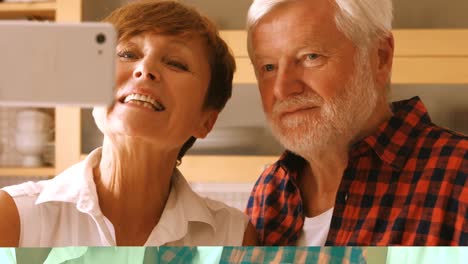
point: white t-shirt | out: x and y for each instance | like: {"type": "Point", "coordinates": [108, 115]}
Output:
{"type": "Point", "coordinates": [315, 230]}
{"type": "Point", "coordinates": [64, 211]}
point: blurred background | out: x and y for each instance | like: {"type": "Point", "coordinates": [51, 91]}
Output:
{"type": "Point", "coordinates": [225, 164]}
{"type": "Point", "coordinates": [241, 128]}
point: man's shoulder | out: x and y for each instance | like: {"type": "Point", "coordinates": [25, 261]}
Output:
{"type": "Point", "coordinates": [432, 130]}
{"type": "Point", "coordinates": [440, 156]}
{"type": "Point", "coordinates": [412, 121]}
{"type": "Point", "coordinates": [444, 141]}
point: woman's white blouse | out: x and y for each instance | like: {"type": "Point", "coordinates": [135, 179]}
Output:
{"type": "Point", "coordinates": [64, 211]}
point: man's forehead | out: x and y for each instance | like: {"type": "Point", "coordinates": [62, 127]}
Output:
{"type": "Point", "coordinates": [321, 37]}
{"type": "Point", "coordinates": [296, 16]}
{"type": "Point", "coordinates": [298, 22]}
{"type": "Point", "coordinates": [303, 9]}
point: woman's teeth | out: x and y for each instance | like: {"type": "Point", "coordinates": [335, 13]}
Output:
{"type": "Point", "coordinates": [144, 101]}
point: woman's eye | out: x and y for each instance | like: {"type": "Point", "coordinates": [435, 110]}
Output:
{"type": "Point", "coordinates": [268, 67]}
{"type": "Point", "coordinates": [178, 65]}
{"type": "Point", "coordinates": [125, 54]}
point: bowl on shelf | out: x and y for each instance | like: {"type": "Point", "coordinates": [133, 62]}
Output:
{"type": "Point", "coordinates": [33, 121]}
{"type": "Point", "coordinates": [31, 146]}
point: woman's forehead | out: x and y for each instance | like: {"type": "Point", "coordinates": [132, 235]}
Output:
{"type": "Point", "coordinates": [186, 36]}
{"type": "Point", "coordinates": [189, 40]}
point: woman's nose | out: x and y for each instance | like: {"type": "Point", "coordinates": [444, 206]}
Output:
{"type": "Point", "coordinates": [146, 70]}
{"type": "Point", "coordinates": [142, 74]}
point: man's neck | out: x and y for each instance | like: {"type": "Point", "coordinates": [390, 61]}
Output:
{"type": "Point", "coordinates": [320, 179]}
{"type": "Point", "coordinates": [322, 175]}
{"type": "Point", "coordinates": [380, 115]}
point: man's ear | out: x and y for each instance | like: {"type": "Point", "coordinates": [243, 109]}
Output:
{"type": "Point", "coordinates": [385, 51]}
{"type": "Point", "coordinates": [208, 121]}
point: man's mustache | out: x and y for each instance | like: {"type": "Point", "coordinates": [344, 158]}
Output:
{"type": "Point", "coordinates": [298, 101]}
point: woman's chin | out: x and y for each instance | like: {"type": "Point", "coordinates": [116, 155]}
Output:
{"type": "Point", "coordinates": [126, 120]}
{"type": "Point", "coordinates": [132, 128]}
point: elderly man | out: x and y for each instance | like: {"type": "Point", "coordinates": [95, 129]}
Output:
{"type": "Point", "coordinates": [357, 170]}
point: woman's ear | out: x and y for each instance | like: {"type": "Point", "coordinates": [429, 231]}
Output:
{"type": "Point", "coordinates": [208, 120]}
{"type": "Point", "coordinates": [385, 51]}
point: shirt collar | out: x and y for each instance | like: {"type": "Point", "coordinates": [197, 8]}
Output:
{"type": "Point", "coordinates": [395, 139]}
{"type": "Point", "coordinates": [182, 206]}
{"type": "Point", "coordinates": [74, 185]}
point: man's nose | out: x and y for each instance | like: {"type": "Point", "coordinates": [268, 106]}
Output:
{"type": "Point", "coordinates": [147, 70]}
{"type": "Point", "coordinates": [288, 82]}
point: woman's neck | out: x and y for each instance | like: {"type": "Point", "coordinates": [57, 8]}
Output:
{"type": "Point", "coordinates": [133, 182]}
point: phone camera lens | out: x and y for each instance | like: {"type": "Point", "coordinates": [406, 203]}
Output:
{"type": "Point", "coordinates": [100, 38]}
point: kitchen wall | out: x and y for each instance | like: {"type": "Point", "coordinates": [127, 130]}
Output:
{"type": "Point", "coordinates": [241, 127]}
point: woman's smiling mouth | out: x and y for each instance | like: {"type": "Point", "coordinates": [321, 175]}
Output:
{"type": "Point", "coordinates": [145, 101]}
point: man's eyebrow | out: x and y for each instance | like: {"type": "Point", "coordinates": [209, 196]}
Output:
{"type": "Point", "coordinates": [261, 56]}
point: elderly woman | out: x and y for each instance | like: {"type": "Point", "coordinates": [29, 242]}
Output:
{"type": "Point", "coordinates": [173, 76]}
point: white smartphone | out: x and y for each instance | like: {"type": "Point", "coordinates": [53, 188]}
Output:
{"type": "Point", "coordinates": [44, 64]}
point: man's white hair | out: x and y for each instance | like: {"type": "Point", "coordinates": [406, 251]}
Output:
{"type": "Point", "coordinates": [360, 20]}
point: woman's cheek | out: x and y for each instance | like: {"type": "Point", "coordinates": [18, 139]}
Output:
{"type": "Point", "coordinates": [100, 118]}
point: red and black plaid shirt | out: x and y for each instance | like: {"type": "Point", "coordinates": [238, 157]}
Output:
{"type": "Point", "coordinates": [405, 185]}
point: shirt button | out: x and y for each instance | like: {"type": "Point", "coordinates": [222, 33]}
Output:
{"type": "Point", "coordinates": [346, 197]}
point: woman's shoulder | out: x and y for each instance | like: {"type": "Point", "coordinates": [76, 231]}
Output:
{"type": "Point", "coordinates": [9, 222]}
{"type": "Point", "coordinates": [34, 189]}
{"type": "Point", "coordinates": [19, 204]}
{"type": "Point", "coordinates": [25, 189]}
{"type": "Point", "coordinates": [25, 196]}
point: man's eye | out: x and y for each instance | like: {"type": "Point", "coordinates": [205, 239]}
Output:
{"type": "Point", "coordinates": [268, 67]}
{"type": "Point", "coordinates": [178, 65]}
{"type": "Point", "coordinates": [125, 54]}
{"type": "Point", "coordinates": [313, 60]}
{"type": "Point", "coordinates": [312, 56]}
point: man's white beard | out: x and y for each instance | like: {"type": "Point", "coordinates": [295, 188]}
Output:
{"type": "Point", "coordinates": [339, 120]}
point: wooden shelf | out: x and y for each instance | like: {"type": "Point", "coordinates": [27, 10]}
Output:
{"type": "Point", "coordinates": [33, 9]}
{"type": "Point", "coordinates": [33, 172]}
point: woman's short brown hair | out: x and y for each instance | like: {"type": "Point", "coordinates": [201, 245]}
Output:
{"type": "Point", "coordinates": [174, 18]}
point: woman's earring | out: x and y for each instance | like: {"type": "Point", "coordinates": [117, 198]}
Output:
{"type": "Point", "coordinates": [178, 162]}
